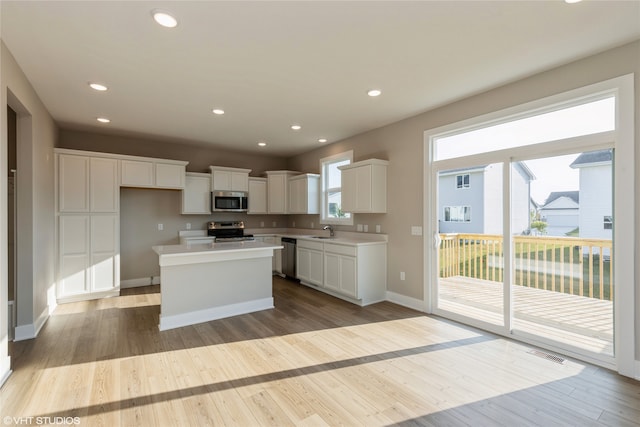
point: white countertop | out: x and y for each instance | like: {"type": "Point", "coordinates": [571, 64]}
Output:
{"type": "Point", "coordinates": [341, 237]}
{"type": "Point", "coordinates": [223, 247]}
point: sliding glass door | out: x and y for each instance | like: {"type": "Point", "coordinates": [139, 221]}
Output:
{"type": "Point", "coordinates": [524, 224]}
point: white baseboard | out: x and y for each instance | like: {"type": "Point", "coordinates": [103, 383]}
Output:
{"type": "Point", "coordinates": [5, 370]}
{"type": "Point", "coordinates": [638, 370]}
{"type": "Point", "coordinates": [30, 331]}
{"type": "Point", "coordinates": [201, 316]}
{"type": "Point", "coordinates": [143, 281]}
{"type": "Point", "coordinates": [405, 301]}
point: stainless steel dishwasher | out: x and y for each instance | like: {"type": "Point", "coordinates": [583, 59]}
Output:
{"type": "Point", "coordinates": [289, 257]}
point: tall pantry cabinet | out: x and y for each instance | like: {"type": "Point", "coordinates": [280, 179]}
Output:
{"type": "Point", "coordinates": [87, 216]}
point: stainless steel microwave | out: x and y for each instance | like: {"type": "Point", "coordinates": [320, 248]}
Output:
{"type": "Point", "coordinates": [229, 201]}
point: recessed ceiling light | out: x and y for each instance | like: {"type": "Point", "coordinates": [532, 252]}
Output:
{"type": "Point", "coordinates": [262, 144]}
{"type": "Point", "coordinates": [164, 18]}
{"type": "Point", "coordinates": [323, 140]}
{"type": "Point", "coordinates": [296, 127]}
{"type": "Point", "coordinates": [98, 87]}
{"type": "Point", "coordinates": [103, 120]}
{"type": "Point", "coordinates": [218, 111]}
{"type": "Point", "coordinates": [374, 92]}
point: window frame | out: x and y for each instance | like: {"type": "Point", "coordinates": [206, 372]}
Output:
{"type": "Point", "coordinates": [462, 184]}
{"type": "Point", "coordinates": [325, 162]}
{"type": "Point", "coordinates": [464, 210]}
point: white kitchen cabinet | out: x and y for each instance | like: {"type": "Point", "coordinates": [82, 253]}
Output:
{"type": "Point", "coordinates": [229, 179]}
{"type": "Point", "coordinates": [136, 173]}
{"type": "Point", "coordinates": [73, 183]}
{"type": "Point", "coordinates": [104, 189]}
{"type": "Point", "coordinates": [257, 196]}
{"type": "Point", "coordinates": [152, 173]}
{"type": "Point", "coordinates": [364, 186]}
{"type": "Point", "coordinates": [276, 260]}
{"type": "Point", "coordinates": [340, 269]}
{"type": "Point", "coordinates": [309, 262]}
{"type": "Point", "coordinates": [88, 256]}
{"type": "Point", "coordinates": [196, 196]}
{"type": "Point", "coordinates": [278, 191]}
{"type": "Point", "coordinates": [355, 273]}
{"type": "Point", "coordinates": [170, 175]}
{"type": "Point", "coordinates": [304, 194]}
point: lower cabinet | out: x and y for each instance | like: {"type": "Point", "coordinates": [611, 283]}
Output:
{"type": "Point", "coordinates": [309, 262]}
{"type": "Point", "coordinates": [276, 260]}
{"type": "Point", "coordinates": [355, 273]}
{"type": "Point", "coordinates": [88, 256]}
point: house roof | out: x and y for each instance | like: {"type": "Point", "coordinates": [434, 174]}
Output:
{"type": "Point", "coordinates": [554, 195]}
{"type": "Point", "coordinates": [592, 157]}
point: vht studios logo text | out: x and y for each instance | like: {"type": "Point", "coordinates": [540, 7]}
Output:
{"type": "Point", "coordinates": [39, 421]}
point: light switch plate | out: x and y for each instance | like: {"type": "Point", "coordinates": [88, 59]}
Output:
{"type": "Point", "coordinates": [416, 230]}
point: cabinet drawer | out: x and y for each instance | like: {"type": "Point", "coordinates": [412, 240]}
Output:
{"type": "Point", "coordinates": [340, 249]}
{"type": "Point", "coordinates": [310, 245]}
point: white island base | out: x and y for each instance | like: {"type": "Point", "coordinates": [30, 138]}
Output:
{"type": "Point", "coordinates": [204, 282]}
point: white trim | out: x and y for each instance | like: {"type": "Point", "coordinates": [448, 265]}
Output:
{"type": "Point", "coordinates": [30, 331]}
{"type": "Point", "coordinates": [201, 316]}
{"type": "Point", "coordinates": [405, 301]}
{"type": "Point", "coordinates": [346, 155]}
{"type": "Point", "coordinates": [139, 282]}
{"type": "Point", "coordinates": [624, 238]}
{"type": "Point", "coordinates": [636, 376]}
{"type": "Point", "coordinates": [90, 296]}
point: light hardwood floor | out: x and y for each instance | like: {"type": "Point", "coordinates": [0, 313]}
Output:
{"type": "Point", "coordinates": [312, 361]}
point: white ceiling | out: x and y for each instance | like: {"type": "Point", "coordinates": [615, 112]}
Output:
{"type": "Point", "coordinates": [272, 64]}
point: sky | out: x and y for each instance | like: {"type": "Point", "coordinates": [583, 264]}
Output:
{"type": "Point", "coordinates": [553, 174]}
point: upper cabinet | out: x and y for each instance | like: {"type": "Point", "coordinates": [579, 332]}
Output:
{"type": "Point", "coordinates": [364, 186]}
{"type": "Point", "coordinates": [152, 173]}
{"type": "Point", "coordinates": [304, 194]}
{"type": "Point", "coordinates": [257, 196]}
{"type": "Point", "coordinates": [229, 179]}
{"type": "Point", "coordinates": [196, 196]}
{"type": "Point", "coordinates": [278, 194]}
{"type": "Point", "coordinates": [87, 184]}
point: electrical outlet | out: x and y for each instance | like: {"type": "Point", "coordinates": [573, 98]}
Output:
{"type": "Point", "coordinates": [378, 228]}
{"type": "Point", "coordinates": [312, 224]}
{"type": "Point", "coordinates": [416, 230]}
{"type": "Point", "coordinates": [188, 226]}
{"type": "Point", "coordinates": [160, 227]}
{"type": "Point", "coordinates": [366, 228]}
{"type": "Point", "coordinates": [262, 224]}
{"type": "Point", "coordinates": [273, 224]}
{"type": "Point", "coordinates": [402, 276]}
{"type": "Point", "coordinates": [294, 224]}
{"type": "Point", "coordinates": [359, 227]}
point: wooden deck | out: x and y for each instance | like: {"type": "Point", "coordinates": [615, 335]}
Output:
{"type": "Point", "coordinates": [580, 321]}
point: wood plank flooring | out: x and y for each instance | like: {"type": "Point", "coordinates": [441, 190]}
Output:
{"type": "Point", "coordinates": [312, 361]}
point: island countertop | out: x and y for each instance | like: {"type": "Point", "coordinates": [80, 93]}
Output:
{"type": "Point", "coordinates": [194, 253]}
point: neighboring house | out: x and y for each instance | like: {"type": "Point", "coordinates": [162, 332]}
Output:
{"type": "Point", "coordinates": [596, 187]}
{"type": "Point", "coordinates": [561, 212]}
{"type": "Point", "coordinates": [470, 200]}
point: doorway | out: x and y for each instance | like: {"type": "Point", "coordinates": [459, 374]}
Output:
{"type": "Point", "coordinates": [12, 164]}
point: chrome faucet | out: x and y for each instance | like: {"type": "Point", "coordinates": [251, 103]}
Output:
{"type": "Point", "coordinates": [330, 228]}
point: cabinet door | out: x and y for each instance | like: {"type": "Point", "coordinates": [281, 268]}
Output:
{"type": "Point", "coordinates": [73, 255]}
{"type": "Point", "coordinates": [363, 189]}
{"type": "Point", "coordinates": [277, 196]}
{"type": "Point", "coordinates": [303, 264]}
{"type": "Point", "coordinates": [134, 173]}
{"type": "Point", "coordinates": [104, 269]}
{"type": "Point", "coordinates": [73, 183]}
{"type": "Point", "coordinates": [239, 181]}
{"type": "Point", "coordinates": [169, 175]}
{"type": "Point", "coordinates": [277, 256]}
{"type": "Point", "coordinates": [315, 268]}
{"type": "Point", "coordinates": [257, 196]}
{"type": "Point", "coordinates": [349, 190]}
{"type": "Point", "coordinates": [105, 191]}
{"type": "Point", "coordinates": [332, 272]}
{"type": "Point", "coordinates": [296, 196]}
{"type": "Point", "coordinates": [348, 276]}
{"type": "Point", "coordinates": [221, 180]}
{"type": "Point", "coordinates": [196, 196]}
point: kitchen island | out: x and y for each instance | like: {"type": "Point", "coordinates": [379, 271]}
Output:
{"type": "Point", "coordinates": [208, 281]}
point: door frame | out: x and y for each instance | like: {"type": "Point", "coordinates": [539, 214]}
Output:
{"type": "Point", "coordinates": [623, 196]}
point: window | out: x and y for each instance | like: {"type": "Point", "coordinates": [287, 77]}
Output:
{"type": "Point", "coordinates": [331, 181]}
{"type": "Point", "coordinates": [457, 213]}
{"type": "Point", "coordinates": [462, 181]}
{"type": "Point", "coordinates": [608, 223]}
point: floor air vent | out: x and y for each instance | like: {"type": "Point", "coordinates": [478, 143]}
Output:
{"type": "Point", "coordinates": [551, 357]}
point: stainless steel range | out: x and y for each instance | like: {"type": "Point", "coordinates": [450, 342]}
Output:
{"type": "Point", "coordinates": [228, 231]}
